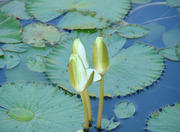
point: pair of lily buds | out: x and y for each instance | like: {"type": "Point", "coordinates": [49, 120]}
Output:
{"type": "Point", "coordinates": [81, 76]}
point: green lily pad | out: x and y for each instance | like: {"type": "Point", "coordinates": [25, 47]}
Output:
{"type": "Point", "coordinates": [109, 125]}
{"type": "Point", "coordinates": [173, 3]}
{"type": "Point", "coordinates": [10, 60]}
{"type": "Point", "coordinates": [141, 1]}
{"type": "Point", "coordinates": [121, 79]}
{"type": "Point", "coordinates": [1, 52]}
{"type": "Point", "coordinates": [15, 8]}
{"type": "Point", "coordinates": [125, 109]}
{"type": "Point", "coordinates": [169, 53]}
{"type": "Point", "coordinates": [92, 11]}
{"type": "Point", "coordinates": [38, 35]}
{"type": "Point", "coordinates": [178, 50]}
{"type": "Point", "coordinates": [171, 37]}
{"type": "Point", "coordinates": [10, 29]}
{"type": "Point", "coordinates": [38, 107]}
{"type": "Point", "coordinates": [132, 31]}
{"type": "Point", "coordinates": [22, 72]}
{"type": "Point", "coordinates": [166, 120]}
{"type": "Point", "coordinates": [155, 31]}
{"type": "Point", "coordinates": [36, 63]}
{"type": "Point", "coordinates": [19, 48]}
{"type": "Point", "coordinates": [88, 22]}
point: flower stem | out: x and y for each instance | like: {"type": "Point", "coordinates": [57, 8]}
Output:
{"type": "Point", "coordinates": [101, 99]}
{"type": "Point", "coordinates": [85, 110]}
{"type": "Point", "coordinates": [88, 105]}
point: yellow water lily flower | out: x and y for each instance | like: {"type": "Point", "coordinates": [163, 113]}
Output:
{"type": "Point", "coordinates": [100, 56]}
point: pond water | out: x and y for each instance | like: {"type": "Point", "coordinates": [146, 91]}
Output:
{"type": "Point", "coordinates": [165, 91]}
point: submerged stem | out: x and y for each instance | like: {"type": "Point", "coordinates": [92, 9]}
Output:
{"type": "Point", "coordinates": [88, 105]}
{"type": "Point", "coordinates": [101, 100]}
{"type": "Point", "coordinates": [85, 110]}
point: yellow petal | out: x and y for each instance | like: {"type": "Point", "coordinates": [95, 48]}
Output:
{"type": "Point", "coordinates": [100, 56]}
{"type": "Point", "coordinates": [79, 49]}
{"type": "Point", "coordinates": [77, 73]}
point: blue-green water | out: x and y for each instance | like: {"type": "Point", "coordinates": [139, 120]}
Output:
{"type": "Point", "coordinates": [165, 91]}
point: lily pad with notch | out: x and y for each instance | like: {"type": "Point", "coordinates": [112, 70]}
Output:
{"type": "Point", "coordinates": [109, 125]}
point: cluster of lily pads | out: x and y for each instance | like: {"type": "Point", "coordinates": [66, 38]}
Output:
{"type": "Point", "coordinates": [39, 52]}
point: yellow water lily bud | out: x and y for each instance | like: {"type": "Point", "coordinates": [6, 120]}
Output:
{"type": "Point", "coordinates": [79, 49]}
{"type": "Point", "coordinates": [100, 56]}
{"type": "Point", "coordinates": [78, 75]}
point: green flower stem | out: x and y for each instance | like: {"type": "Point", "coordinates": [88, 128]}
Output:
{"type": "Point", "coordinates": [83, 97]}
{"type": "Point", "coordinates": [88, 105]}
{"type": "Point", "coordinates": [101, 100]}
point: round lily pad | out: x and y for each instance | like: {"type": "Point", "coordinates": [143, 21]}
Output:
{"type": "Point", "coordinates": [141, 1]}
{"type": "Point", "coordinates": [38, 107]}
{"type": "Point", "coordinates": [171, 37]}
{"type": "Point", "coordinates": [125, 109]}
{"type": "Point", "coordinates": [173, 3]}
{"type": "Point", "coordinates": [15, 8]}
{"type": "Point", "coordinates": [132, 31]}
{"type": "Point", "coordinates": [19, 48]}
{"type": "Point", "coordinates": [36, 63]}
{"type": "Point", "coordinates": [169, 53]}
{"type": "Point", "coordinates": [109, 125]}
{"type": "Point", "coordinates": [38, 35]}
{"type": "Point", "coordinates": [10, 60]}
{"type": "Point", "coordinates": [10, 29]}
{"type": "Point", "coordinates": [166, 120]}
{"type": "Point", "coordinates": [121, 79]}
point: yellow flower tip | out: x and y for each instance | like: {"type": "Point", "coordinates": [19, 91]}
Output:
{"type": "Point", "coordinates": [77, 73]}
{"type": "Point", "coordinates": [100, 56]}
{"type": "Point", "coordinates": [79, 49]}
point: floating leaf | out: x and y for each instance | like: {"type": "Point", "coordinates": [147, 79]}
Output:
{"type": "Point", "coordinates": [22, 72]}
{"type": "Point", "coordinates": [10, 29]}
{"type": "Point", "coordinates": [125, 109]}
{"type": "Point", "coordinates": [166, 120]}
{"type": "Point", "coordinates": [80, 22]}
{"type": "Point", "coordinates": [173, 3]}
{"type": "Point", "coordinates": [121, 78]}
{"type": "Point", "coordinates": [36, 63]}
{"type": "Point", "coordinates": [46, 10]}
{"type": "Point", "coordinates": [19, 48]}
{"type": "Point", "coordinates": [1, 52]}
{"type": "Point", "coordinates": [38, 107]}
{"type": "Point", "coordinates": [109, 125]}
{"type": "Point", "coordinates": [169, 53]}
{"type": "Point", "coordinates": [155, 31]}
{"type": "Point", "coordinates": [38, 35]}
{"type": "Point", "coordinates": [10, 60]}
{"type": "Point", "coordinates": [171, 37]}
{"type": "Point", "coordinates": [15, 8]}
{"type": "Point", "coordinates": [141, 1]}
{"type": "Point", "coordinates": [132, 31]}
{"type": "Point", "coordinates": [178, 50]}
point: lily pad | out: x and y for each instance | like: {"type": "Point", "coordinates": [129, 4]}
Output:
{"type": "Point", "coordinates": [178, 50]}
{"type": "Point", "coordinates": [166, 120]}
{"type": "Point", "coordinates": [155, 31]}
{"type": "Point", "coordinates": [132, 31]}
{"type": "Point", "coordinates": [122, 78]}
{"type": "Point", "coordinates": [38, 107]}
{"type": "Point", "coordinates": [46, 10]}
{"type": "Point", "coordinates": [19, 48]}
{"type": "Point", "coordinates": [15, 8]}
{"type": "Point", "coordinates": [36, 63]}
{"type": "Point", "coordinates": [109, 125]}
{"type": "Point", "coordinates": [171, 37]}
{"type": "Point", "coordinates": [1, 52]}
{"type": "Point", "coordinates": [173, 3]}
{"type": "Point", "coordinates": [125, 109]}
{"type": "Point", "coordinates": [10, 60]}
{"type": "Point", "coordinates": [10, 29]}
{"type": "Point", "coordinates": [38, 35]}
{"type": "Point", "coordinates": [141, 1]}
{"type": "Point", "coordinates": [169, 53]}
